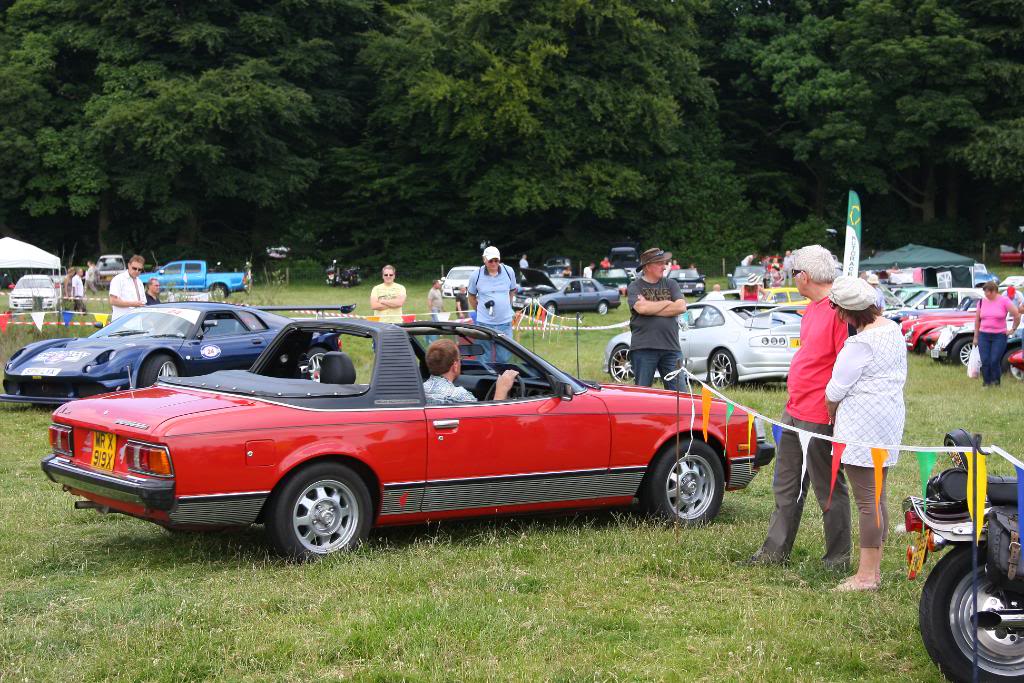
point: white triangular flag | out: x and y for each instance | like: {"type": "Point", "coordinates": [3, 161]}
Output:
{"type": "Point", "coordinates": [805, 440]}
{"type": "Point", "coordinates": [442, 317]}
{"type": "Point", "coordinates": [37, 318]}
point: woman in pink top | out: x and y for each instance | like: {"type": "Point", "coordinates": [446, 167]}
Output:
{"type": "Point", "coordinates": [990, 331]}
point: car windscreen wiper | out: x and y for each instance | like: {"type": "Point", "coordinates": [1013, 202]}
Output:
{"type": "Point", "coordinates": [126, 333]}
{"type": "Point", "coordinates": [176, 335]}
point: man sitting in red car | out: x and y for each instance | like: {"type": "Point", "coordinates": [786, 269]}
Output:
{"type": "Point", "coordinates": [445, 364]}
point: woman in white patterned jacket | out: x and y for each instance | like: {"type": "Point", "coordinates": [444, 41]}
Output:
{"type": "Point", "coordinates": [865, 401]}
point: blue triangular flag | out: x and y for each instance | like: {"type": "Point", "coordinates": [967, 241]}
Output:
{"type": "Point", "coordinates": [68, 315]}
{"type": "Point", "coordinates": [1020, 496]}
{"type": "Point", "coordinates": [777, 433]}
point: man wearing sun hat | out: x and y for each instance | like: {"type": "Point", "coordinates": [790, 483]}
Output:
{"type": "Point", "coordinates": [879, 295]}
{"type": "Point", "coordinates": [822, 336]}
{"type": "Point", "coordinates": [654, 303]}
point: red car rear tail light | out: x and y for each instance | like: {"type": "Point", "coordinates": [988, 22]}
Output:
{"type": "Point", "coordinates": [60, 439]}
{"type": "Point", "coordinates": [912, 522]}
{"type": "Point", "coordinates": [148, 459]}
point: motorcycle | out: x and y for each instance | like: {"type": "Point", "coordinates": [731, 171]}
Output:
{"type": "Point", "coordinates": [344, 277]}
{"type": "Point", "coordinates": [947, 616]}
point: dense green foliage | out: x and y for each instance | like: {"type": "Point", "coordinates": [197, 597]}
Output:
{"type": "Point", "coordinates": [410, 131]}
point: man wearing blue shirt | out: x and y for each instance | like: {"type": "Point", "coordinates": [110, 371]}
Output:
{"type": "Point", "coordinates": [491, 290]}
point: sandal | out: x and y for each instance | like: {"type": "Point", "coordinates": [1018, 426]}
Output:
{"type": "Point", "coordinates": [852, 584]}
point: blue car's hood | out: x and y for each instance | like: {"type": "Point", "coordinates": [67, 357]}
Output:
{"type": "Point", "coordinates": [70, 355]}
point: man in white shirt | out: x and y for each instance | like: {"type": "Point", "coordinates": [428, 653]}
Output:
{"type": "Point", "coordinates": [523, 263]}
{"type": "Point", "coordinates": [78, 291]}
{"type": "Point", "coordinates": [126, 290]}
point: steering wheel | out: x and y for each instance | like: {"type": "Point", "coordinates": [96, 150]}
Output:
{"type": "Point", "coordinates": [518, 389]}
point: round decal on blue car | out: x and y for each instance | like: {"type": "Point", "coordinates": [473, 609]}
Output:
{"type": "Point", "coordinates": [210, 351]}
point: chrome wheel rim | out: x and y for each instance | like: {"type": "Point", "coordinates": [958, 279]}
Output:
{"type": "Point", "coordinates": [325, 516]}
{"type": "Point", "coordinates": [1017, 373]}
{"type": "Point", "coordinates": [168, 369]}
{"type": "Point", "coordinates": [999, 652]}
{"type": "Point", "coordinates": [965, 353]}
{"type": "Point", "coordinates": [602, 308]}
{"type": "Point", "coordinates": [690, 487]}
{"type": "Point", "coordinates": [552, 309]}
{"type": "Point", "coordinates": [720, 370]}
{"type": "Point", "coordinates": [620, 368]}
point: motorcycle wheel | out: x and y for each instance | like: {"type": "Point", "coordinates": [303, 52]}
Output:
{"type": "Point", "coordinates": [946, 627]}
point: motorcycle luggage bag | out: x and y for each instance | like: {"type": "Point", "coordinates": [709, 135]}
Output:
{"type": "Point", "coordinates": [951, 485]}
{"type": "Point", "coordinates": [1004, 564]}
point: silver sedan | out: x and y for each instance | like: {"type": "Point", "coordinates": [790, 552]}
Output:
{"type": "Point", "coordinates": [728, 341]}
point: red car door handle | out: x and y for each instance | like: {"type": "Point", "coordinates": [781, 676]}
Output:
{"type": "Point", "coordinates": [446, 424]}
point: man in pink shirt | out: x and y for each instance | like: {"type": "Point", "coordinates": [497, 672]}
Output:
{"type": "Point", "coordinates": [822, 335]}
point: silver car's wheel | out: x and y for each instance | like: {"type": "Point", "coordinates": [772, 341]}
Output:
{"type": "Point", "coordinates": [552, 309]}
{"type": "Point", "coordinates": [325, 516]}
{"type": "Point", "coordinates": [602, 308]}
{"type": "Point", "coordinates": [690, 487]}
{"type": "Point", "coordinates": [721, 369]}
{"type": "Point", "coordinates": [167, 369]}
{"type": "Point", "coordinates": [965, 353]}
{"type": "Point", "coordinates": [1017, 373]}
{"type": "Point", "coordinates": [619, 365]}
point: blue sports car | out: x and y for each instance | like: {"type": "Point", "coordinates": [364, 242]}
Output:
{"type": "Point", "coordinates": [135, 350]}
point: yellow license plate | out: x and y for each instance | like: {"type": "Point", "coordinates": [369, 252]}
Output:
{"type": "Point", "coordinates": [917, 553]}
{"type": "Point", "coordinates": [104, 445]}
{"type": "Point", "coordinates": [794, 342]}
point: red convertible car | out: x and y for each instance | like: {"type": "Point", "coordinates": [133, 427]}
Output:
{"type": "Point", "coordinates": [321, 461]}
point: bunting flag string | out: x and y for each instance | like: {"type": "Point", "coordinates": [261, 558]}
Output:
{"type": "Point", "coordinates": [705, 410]}
{"type": "Point", "coordinates": [837, 460]}
{"type": "Point", "coordinates": [750, 432]}
{"type": "Point", "coordinates": [37, 319]}
{"type": "Point", "coordinates": [977, 481]}
{"type": "Point", "coordinates": [925, 463]}
{"type": "Point", "coordinates": [805, 442]}
{"type": "Point", "coordinates": [878, 457]}
{"type": "Point", "coordinates": [728, 416]}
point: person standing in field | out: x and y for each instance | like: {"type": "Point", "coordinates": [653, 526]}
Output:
{"type": "Point", "coordinates": [990, 331]}
{"type": "Point", "coordinates": [435, 302]}
{"type": "Point", "coordinates": [654, 301]}
{"type": "Point", "coordinates": [126, 291]}
{"type": "Point", "coordinates": [387, 298]}
{"type": "Point", "coordinates": [822, 335]}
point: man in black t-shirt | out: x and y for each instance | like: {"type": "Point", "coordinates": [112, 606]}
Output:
{"type": "Point", "coordinates": [654, 302]}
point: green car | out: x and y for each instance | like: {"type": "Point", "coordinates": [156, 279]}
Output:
{"type": "Point", "coordinates": [613, 277]}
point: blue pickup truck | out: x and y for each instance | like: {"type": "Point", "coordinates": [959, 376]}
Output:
{"type": "Point", "coordinates": [193, 276]}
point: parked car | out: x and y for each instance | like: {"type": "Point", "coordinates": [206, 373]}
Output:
{"type": "Point", "coordinates": [108, 266]}
{"type": "Point", "coordinates": [915, 330]}
{"type": "Point", "coordinates": [457, 277]}
{"type": "Point", "coordinates": [956, 342]}
{"type": "Point", "coordinates": [575, 294]}
{"type": "Point", "coordinates": [614, 277]}
{"type": "Point", "coordinates": [145, 345]}
{"type": "Point", "coordinates": [689, 279]}
{"type": "Point", "coordinates": [556, 265]}
{"type": "Point", "coordinates": [1010, 256]}
{"type": "Point", "coordinates": [194, 276]}
{"type": "Point", "coordinates": [729, 341]}
{"type": "Point", "coordinates": [786, 295]}
{"type": "Point", "coordinates": [1016, 362]}
{"type": "Point", "coordinates": [738, 277]}
{"type": "Point", "coordinates": [727, 294]}
{"type": "Point", "coordinates": [32, 290]}
{"type": "Point", "coordinates": [981, 275]}
{"type": "Point", "coordinates": [934, 299]}
{"type": "Point", "coordinates": [321, 463]}
{"type": "Point", "coordinates": [625, 255]}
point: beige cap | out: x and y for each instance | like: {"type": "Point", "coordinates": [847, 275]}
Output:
{"type": "Point", "coordinates": [872, 279]}
{"type": "Point", "coordinates": [852, 293]}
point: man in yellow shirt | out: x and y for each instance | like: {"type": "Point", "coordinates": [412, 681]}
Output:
{"type": "Point", "coordinates": [387, 298]}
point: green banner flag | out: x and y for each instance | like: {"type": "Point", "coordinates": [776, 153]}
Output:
{"type": "Point", "coordinates": [851, 255]}
{"type": "Point", "coordinates": [926, 461]}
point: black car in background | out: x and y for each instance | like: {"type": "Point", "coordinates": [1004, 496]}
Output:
{"type": "Point", "coordinates": [556, 265]}
{"type": "Point", "coordinates": [625, 255]}
{"type": "Point", "coordinates": [690, 281]}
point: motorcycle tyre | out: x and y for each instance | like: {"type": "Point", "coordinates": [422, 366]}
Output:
{"type": "Point", "coordinates": [933, 616]}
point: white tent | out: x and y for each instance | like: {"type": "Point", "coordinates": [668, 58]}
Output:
{"type": "Point", "coordinates": [16, 254]}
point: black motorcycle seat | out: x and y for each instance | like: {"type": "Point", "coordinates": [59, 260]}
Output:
{"type": "Point", "coordinates": [951, 485]}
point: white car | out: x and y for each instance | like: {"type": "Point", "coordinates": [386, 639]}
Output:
{"type": "Point", "coordinates": [456, 277]}
{"type": "Point", "coordinates": [31, 288]}
{"type": "Point", "coordinates": [727, 341]}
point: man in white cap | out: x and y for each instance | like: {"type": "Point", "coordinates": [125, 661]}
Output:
{"type": "Point", "coordinates": [879, 295]}
{"type": "Point", "coordinates": [491, 290]}
{"type": "Point", "coordinates": [822, 335]}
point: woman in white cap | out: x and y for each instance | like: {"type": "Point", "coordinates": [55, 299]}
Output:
{"type": "Point", "coordinates": [865, 400]}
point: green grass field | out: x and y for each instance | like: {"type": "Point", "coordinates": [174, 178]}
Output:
{"type": "Point", "coordinates": [602, 596]}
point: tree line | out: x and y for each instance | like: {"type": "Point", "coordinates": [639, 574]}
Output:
{"type": "Point", "coordinates": [412, 131]}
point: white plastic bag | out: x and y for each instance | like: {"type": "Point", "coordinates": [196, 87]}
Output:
{"type": "Point", "coordinates": [974, 363]}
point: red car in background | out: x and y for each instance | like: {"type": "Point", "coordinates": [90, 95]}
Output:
{"type": "Point", "coordinates": [917, 331]}
{"type": "Point", "coordinates": [320, 463]}
{"type": "Point", "coordinates": [1016, 360]}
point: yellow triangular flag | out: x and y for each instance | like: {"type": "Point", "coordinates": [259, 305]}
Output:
{"type": "Point", "coordinates": [879, 456]}
{"type": "Point", "coordinates": [750, 433]}
{"type": "Point", "coordinates": [976, 504]}
{"type": "Point", "coordinates": [705, 408]}
{"type": "Point", "coordinates": [102, 318]}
